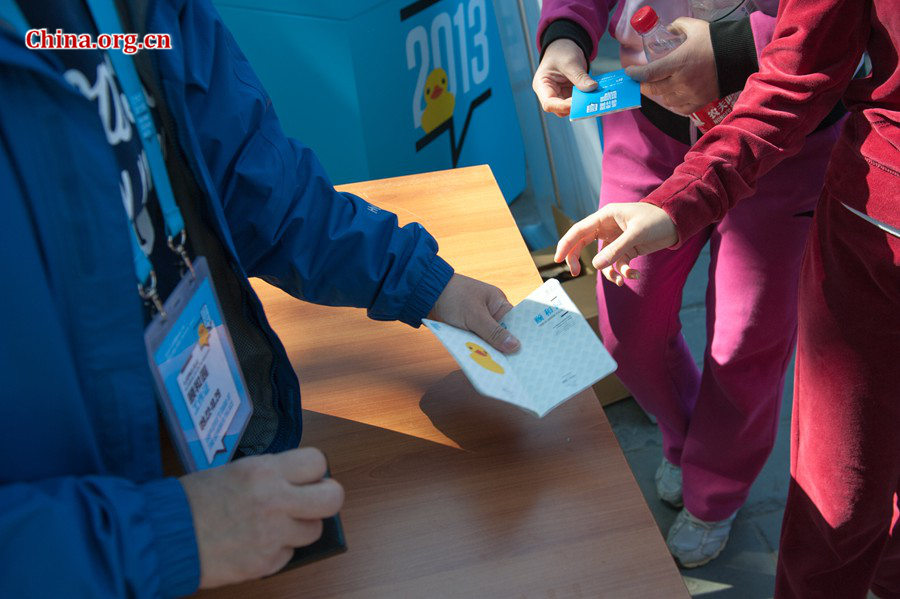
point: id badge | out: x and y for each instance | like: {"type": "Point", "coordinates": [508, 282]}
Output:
{"type": "Point", "coordinates": [198, 378]}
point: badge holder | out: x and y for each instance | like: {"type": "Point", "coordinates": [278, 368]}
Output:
{"type": "Point", "coordinates": [198, 378]}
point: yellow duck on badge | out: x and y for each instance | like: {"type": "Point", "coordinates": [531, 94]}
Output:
{"type": "Point", "coordinates": [482, 358]}
{"type": "Point", "coordinates": [439, 102]}
{"type": "Point", "coordinates": [202, 335]}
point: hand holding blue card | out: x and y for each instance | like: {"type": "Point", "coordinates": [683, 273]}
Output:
{"type": "Point", "coordinates": [615, 91]}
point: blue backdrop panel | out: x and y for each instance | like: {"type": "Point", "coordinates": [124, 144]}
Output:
{"type": "Point", "coordinates": [380, 88]}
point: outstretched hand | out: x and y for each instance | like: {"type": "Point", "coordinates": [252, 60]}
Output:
{"type": "Point", "coordinates": [469, 304]}
{"type": "Point", "coordinates": [562, 66]}
{"type": "Point", "coordinates": [625, 231]}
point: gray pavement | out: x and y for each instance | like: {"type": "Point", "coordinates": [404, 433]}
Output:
{"type": "Point", "coordinates": [746, 569]}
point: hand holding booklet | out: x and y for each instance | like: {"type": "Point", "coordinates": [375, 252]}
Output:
{"type": "Point", "coordinates": [560, 355]}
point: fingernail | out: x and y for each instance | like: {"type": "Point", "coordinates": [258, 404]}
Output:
{"type": "Point", "coordinates": [510, 344]}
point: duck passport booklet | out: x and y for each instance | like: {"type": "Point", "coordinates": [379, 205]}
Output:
{"type": "Point", "coordinates": [560, 354]}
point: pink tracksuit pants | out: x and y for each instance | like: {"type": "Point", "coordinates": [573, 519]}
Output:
{"type": "Point", "coordinates": [718, 423]}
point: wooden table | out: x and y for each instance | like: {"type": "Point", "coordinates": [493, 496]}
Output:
{"type": "Point", "coordinates": [450, 494]}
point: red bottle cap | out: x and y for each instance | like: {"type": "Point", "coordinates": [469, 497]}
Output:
{"type": "Point", "coordinates": [644, 20]}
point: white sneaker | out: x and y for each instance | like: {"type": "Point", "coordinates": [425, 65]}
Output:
{"type": "Point", "coordinates": [694, 542]}
{"type": "Point", "coordinates": [668, 483]}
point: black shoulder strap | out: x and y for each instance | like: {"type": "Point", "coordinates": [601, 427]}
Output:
{"type": "Point", "coordinates": [133, 14]}
{"type": "Point", "coordinates": [134, 18]}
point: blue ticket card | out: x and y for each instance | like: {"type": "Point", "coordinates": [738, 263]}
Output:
{"type": "Point", "coordinates": [615, 91]}
{"type": "Point", "coordinates": [198, 378]}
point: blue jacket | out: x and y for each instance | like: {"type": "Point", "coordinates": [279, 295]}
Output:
{"type": "Point", "coordinates": [84, 510]}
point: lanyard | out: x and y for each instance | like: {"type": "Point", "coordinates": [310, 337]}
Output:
{"type": "Point", "coordinates": [107, 20]}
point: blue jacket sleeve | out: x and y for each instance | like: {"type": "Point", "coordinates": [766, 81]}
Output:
{"type": "Point", "coordinates": [62, 535]}
{"type": "Point", "coordinates": [96, 537]}
{"type": "Point", "coordinates": [288, 223]}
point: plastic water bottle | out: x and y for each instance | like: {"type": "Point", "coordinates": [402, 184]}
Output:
{"type": "Point", "coordinates": [658, 41]}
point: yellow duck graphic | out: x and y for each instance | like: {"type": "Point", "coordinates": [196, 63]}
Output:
{"type": "Point", "coordinates": [439, 102]}
{"type": "Point", "coordinates": [202, 335]}
{"type": "Point", "coordinates": [482, 358]}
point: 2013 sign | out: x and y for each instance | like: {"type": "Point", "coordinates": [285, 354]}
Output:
{"type": "Point", "coordinates": [451, 55]}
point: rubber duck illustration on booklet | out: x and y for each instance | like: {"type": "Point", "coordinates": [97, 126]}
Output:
{"type": "Point", "coordinates": [483, 358]}
{"type": "Point", "coordinates": [439, 102]}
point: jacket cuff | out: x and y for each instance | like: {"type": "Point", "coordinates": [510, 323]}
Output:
{"type": "Point", "coordinates": [735, 52]}
{"type": "Point", "coordinates": [564, 28]}
{"type": "Point", "coordinates": [174, 540]}
{"type": "Point", "coordinates": [426, 293]}
{"type": "Point", "coordinates": [680, 198]}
